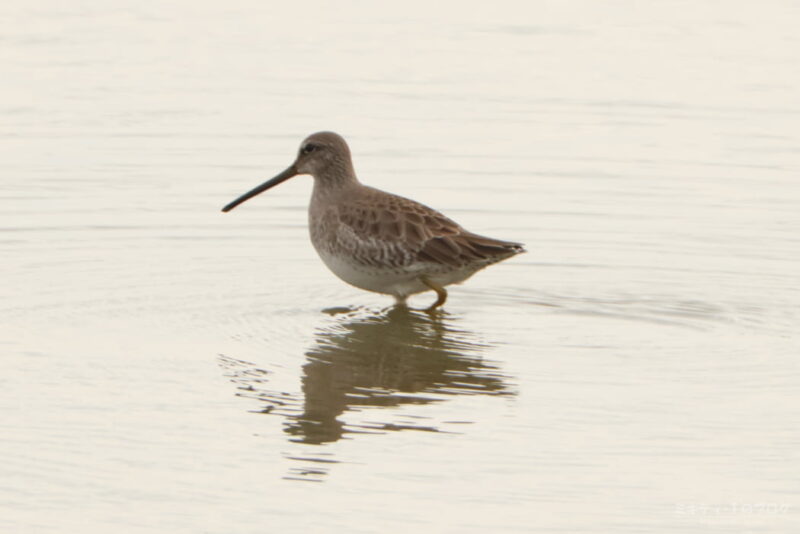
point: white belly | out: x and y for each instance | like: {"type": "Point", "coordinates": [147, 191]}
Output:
{"type": "Point", "coordinates": [400, 282]}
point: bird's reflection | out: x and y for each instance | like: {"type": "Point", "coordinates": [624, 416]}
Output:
{"type": "Point", "coordinates": [396, 358]}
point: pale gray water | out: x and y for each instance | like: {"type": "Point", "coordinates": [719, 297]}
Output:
{"type": "Point", "coordinates": [168, 368]}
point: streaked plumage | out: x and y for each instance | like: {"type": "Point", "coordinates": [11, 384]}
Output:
{"type": "Point", "coordinates": [379, 241]}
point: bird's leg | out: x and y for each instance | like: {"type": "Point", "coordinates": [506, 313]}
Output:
{"type": "Point", "coordinates": [441, 293]}
{"type": "Point", "coordinates": [400, 301]}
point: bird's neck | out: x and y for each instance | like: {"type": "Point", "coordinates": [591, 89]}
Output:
{"type": "Point", "coordinates": [336, 180]}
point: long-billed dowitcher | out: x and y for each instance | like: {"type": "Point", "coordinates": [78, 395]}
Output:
{"type": "Point", "coordinates": [378, 241]}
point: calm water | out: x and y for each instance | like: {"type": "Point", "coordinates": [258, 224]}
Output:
{"type": "Point", "coordinates": [168, 368]}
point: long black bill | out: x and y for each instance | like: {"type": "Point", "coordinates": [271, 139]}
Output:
{"type": "Point", "coordinates": [282, 177]}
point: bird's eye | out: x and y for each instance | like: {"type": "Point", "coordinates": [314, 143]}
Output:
{"type": "Point", "coordinates": [309, 148]}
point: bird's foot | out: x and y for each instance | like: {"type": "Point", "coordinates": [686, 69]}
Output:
{"type": "Point", "coordinates": [441, 293]}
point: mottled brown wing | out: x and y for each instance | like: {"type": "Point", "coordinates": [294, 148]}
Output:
{"type": "Point", "coordinates": [420, 233]}
{"type": "Point", "coordinates": [467, 248]}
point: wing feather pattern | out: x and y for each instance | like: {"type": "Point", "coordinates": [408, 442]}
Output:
{"type": "Point", "coordinates": [394, 231]}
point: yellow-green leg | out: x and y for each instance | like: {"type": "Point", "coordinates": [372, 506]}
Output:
{"type": "Point", "coordinates": [441, 293]}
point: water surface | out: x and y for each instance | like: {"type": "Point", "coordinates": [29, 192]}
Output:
{"type": "Point", "coordinates": [170, 368]}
